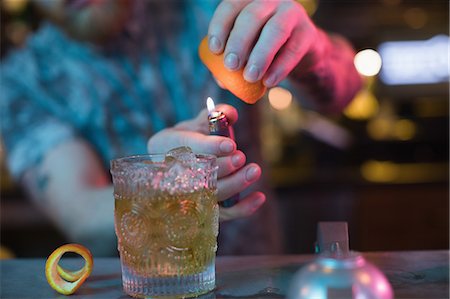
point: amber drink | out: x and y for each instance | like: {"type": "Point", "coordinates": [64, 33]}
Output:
{"type": "Point", "coordinates": [166, 222]}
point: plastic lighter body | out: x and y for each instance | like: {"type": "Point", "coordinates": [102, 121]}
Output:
{"type": "Point", "coordinates": [219, 125]}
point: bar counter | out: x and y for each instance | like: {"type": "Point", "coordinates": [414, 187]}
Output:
{"type": "Point", "coordinates": [412, 274]}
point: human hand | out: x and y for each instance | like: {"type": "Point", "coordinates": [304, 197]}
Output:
{"type": "Point", "coordinates": [268, 38]}
{"type": "Point", "coordinates": [233, 175]}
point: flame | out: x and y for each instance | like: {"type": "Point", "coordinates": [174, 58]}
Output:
{"type": "Point", "coordinates": [210, 105]}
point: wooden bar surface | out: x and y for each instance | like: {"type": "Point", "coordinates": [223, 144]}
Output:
{"type": "Point", "coordinates": [412, 274]}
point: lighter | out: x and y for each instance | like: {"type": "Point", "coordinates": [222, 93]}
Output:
{"type": "Point", "coordinates": [219, 125]}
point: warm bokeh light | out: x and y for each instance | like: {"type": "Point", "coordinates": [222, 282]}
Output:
{"type": "Point", "coordinates": [379, 128]}
{"type": "Point", "coordinates": [378, 171]}
{"type": "Point", "coordinates": [14, 6]}
{"type": "Point", "coordinates": [404, 129]}
{"type": "Point", "coordinates": [363, 106]}
{"type": "Point", "coordinates": [391, 129]}
{"type": "Point", "coordinates": [402, 173]}
{"type": "Point", "coordinates": [280, 98]}
{"type": "Point", "coordinates": [368, 62]}
{"type": "Point", "coordinates": [309, 5]}
{"type": "Point", "coordinates": [415, 17]}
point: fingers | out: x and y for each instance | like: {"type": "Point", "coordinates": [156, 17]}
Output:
{"type": "Point", "coordinates": [222, 22]}
{"type": "Point", "coordinates": [246, 28]}
{"type": "Point", "coordinates": [291, 53]}
{"type": "Point", "coordinates": [238, 181]}
{"type": "Point", "coordinates": [245, 207]}
{"type": "Point", "coordinates": [229, 164]}
{"type": "Point", "coordinates": [198, 142]}
{"type": "Point", "coordinates": [274, 34]}
{"type": "Point", "coordinates": [230, 112]}
{"type": "Point", "coordinates": [268, 38]}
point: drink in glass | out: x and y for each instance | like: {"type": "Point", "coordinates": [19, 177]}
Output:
{"type": "Point", "coordinates": [166, 222]}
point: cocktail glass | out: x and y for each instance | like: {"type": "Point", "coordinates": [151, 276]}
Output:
{"type": "Point", "coordinates": [166, 222]}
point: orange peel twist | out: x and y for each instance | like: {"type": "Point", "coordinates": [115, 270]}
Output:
{"type": "Point", "coordinates": [64, 281]}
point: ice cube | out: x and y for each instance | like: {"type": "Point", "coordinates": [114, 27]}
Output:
{"type": "Point", "coordinates": [177, 178]}
{"type": "Point", "coordinates": [182, 154]}
{"type": "Point", "coordinates": [182, 173]}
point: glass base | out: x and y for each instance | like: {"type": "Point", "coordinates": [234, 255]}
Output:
{"type": "Point", "coordinates": [185, 286]}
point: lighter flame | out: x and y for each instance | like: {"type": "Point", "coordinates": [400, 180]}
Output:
{"type": "Point", "coordinates": [210, 104]}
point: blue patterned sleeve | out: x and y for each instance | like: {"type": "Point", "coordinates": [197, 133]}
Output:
{"type": "Point", "coordinates": [29, 130]}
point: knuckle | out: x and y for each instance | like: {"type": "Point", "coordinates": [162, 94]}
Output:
{"type": "Point", "coordinates": [278, 29]}
{"type": "Point", "coordinates": [292, 6]}
{"type": "Point", "coordinates": [230, 5]}
{"type": "Point", "coordinates": [261, 58]}
{"type": "Point", "coordinates": [250, 16]}
{"type": "Point", "coordinates": [294, 48]}
{"type": "Point", "coordinates": [235, 43]}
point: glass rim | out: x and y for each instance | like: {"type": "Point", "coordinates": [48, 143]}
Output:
{"type": "Point", "coordinates": [147, 157]}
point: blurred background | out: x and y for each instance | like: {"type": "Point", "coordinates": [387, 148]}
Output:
{"type": "Point", "coordinates": [382, 166]}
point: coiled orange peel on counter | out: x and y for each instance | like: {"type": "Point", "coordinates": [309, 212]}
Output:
{"type": "Point", "coordinates": [64, 281]}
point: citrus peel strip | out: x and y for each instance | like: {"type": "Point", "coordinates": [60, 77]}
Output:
{"type": "Point", "coordinates": [64, 281]}
{"type": "Point", "coordinates": [68, 275]}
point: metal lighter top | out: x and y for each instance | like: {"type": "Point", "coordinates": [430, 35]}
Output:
{"type": "Point", "coordinates": [218, 122]}
{"type": "Point", "coordinates": [219, 125]}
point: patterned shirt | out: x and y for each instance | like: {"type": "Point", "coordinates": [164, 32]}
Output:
{"type": "Point", "coordinates": [117, 96]}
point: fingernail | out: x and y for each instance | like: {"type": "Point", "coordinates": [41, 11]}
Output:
{"type": "Point", "coordinates": [251, 73]}
{"type": "Point", "coordinates": [214, 44]}
{"type": "Point", "coordinates": [226, 146]}
{"type": "Point", "coordinates": [270, 82]}
{"type": "Point", "coordinates": [251, 174]}
{"type": "Point", "coordinates": [237, 160]}
{"type": "Point", "coordinates": [231, 61]}
{"type": "Point", "coordinates": [258, 202]}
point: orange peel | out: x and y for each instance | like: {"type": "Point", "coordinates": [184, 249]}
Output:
{"type": "Point", "coordinates": [64, 281]}
{"type": "Point", "coordinates": [232, 80]}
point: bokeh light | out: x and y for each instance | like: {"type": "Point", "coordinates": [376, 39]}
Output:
{"type": "Point", "coordinates": [280, 98]}
{"type": "Point", "coordinates": [309, 5]}
{"type": "Point", "coordinates": [14, 6]}
{"type": "Point", "coordinates": [404, 129]}
{"type": "Point", "coordinates": [368, 62]}
{"type": "Point", "coordinates": [379, 171]}
{"type": "Point", "coordinates": [379, 128]}
{"type": "Point", "coordinates": [415, 61]}
{"type": "Point", "coordinates": [363, 106]}
{"type": "Point", "coordinates": [415, 17]}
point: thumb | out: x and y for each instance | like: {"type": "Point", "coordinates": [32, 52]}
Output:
{"type": "Point", "coordinates": [198, 142]}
